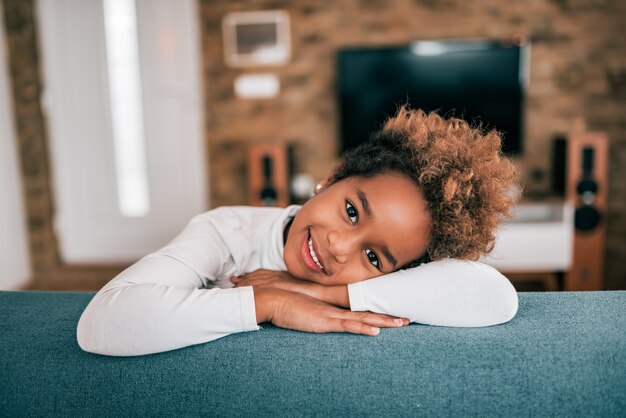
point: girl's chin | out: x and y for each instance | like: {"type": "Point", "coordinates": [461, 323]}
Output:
{"type": "Point", "coordinates": [296, 270]}
{"type": "Point", "coordinates": [311, 279]}
{"type": "Point", "coordinates": [302, 274]}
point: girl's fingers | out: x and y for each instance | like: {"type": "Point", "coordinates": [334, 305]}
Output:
{"type": "Point", "coordinates": [379, 320]}
{"type": "Point", "coordinates": [405, 321]}
{"type": "Point", "coordinates": [366, 323]}
{"type": "Point", "coordinates": [356, 327]}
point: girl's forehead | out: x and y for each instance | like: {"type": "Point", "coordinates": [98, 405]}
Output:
{"type": "Point", "coordinates": [391, 184]}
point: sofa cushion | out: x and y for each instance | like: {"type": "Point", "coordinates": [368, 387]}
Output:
{"type": "Point", "coordinates": [563, 354]}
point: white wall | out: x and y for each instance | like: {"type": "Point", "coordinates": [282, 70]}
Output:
{"type": "Point", "coordinates": [14, 260]}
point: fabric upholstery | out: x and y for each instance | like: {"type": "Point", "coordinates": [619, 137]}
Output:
{"type": "Point", "coordinates": [564, 354]}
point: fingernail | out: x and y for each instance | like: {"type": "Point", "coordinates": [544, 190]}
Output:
{"type": "Point", "coordinates": [398, 322]}
{"type": "Point", "coordinates": [376, 330]}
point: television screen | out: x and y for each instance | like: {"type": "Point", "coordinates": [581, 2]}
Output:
{"type": "Point", "coordinates": [474, 80]}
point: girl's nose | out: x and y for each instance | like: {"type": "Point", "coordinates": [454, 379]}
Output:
{"type": "Point", "coordinates": [341, 245]}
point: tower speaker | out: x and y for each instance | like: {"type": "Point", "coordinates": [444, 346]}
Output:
{"type": "Point", "coordinates": [584, 164]}
{"type": "Point", "coordinates": [268, 172]}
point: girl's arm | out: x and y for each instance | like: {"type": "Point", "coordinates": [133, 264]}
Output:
{"type": "Point", "coordinates": [455, 293]}
{"type": "Point", "coordinates": [449, 293]}
{"type": "Point", "coordinates": [158, 304]}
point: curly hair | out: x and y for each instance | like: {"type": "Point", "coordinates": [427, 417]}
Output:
{"type": "Point", "coordinates": [466, 180]}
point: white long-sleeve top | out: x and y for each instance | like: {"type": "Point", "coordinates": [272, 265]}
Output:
{"type": "Point", "coordinates": [182, 295]}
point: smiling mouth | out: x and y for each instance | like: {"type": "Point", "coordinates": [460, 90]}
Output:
{"type": "Point", "coordinates": [312, 261]}
{"type": "Point", "coordinates": [313, 255]}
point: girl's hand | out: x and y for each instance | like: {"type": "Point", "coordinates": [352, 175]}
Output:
{"type": "Point", "coordinates": [278, 280]}
{"type": "Point", "coordinates": [335, 295]}
{"type": "Point", "coordinates": [304, 313]}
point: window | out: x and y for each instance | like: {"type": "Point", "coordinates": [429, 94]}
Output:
{"type": "Point", "coordinates": [120, 28]}
{"type": "Point", "coordinates": [124, 118]}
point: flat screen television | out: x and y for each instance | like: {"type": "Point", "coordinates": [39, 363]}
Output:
{"type": "Point", "coordinates": [474, 80]}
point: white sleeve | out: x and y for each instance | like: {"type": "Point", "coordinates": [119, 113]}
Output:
{"type": "Point", "coordinates": [158, 304]}
{"type": "Point", "coordinates": [454, 293]}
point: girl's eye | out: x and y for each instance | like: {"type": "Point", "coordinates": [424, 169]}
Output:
{"type": "Point", "coordinates": [373, 258]}
{"type": "Point", "coordinates": [352, 212]}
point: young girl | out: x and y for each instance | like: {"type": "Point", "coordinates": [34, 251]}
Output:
{"type": "Point", "coordinates": [423, 195]}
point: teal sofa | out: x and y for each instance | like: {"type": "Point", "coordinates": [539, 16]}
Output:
{"type": "Point", "coordinates": [564, 354]}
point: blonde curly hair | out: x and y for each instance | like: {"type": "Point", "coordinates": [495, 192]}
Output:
{"type": "Point", "coordinates": [461, 171]}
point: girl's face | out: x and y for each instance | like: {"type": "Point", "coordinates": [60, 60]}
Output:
{"type": "Point", "coordinates": [358, 228]}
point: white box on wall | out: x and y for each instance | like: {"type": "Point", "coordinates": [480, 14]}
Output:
{"type": "Point", "coordinates": [257, 86]}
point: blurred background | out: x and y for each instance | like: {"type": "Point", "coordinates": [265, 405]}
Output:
{"type": "Point", "coordinates": [121, 119]}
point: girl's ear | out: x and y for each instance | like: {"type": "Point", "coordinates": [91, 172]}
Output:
{"type": "Point", "coordinates": [321, 185]}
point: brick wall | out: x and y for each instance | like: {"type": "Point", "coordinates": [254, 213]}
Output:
{"type": "Point", "coordinates": [578, 81]}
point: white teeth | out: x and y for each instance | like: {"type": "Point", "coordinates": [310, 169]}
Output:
{"type": "Point", "coordinates": [313, 255]}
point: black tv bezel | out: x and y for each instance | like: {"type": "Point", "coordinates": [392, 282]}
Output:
{"type": "Point", "coordinates": [521, 45]}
